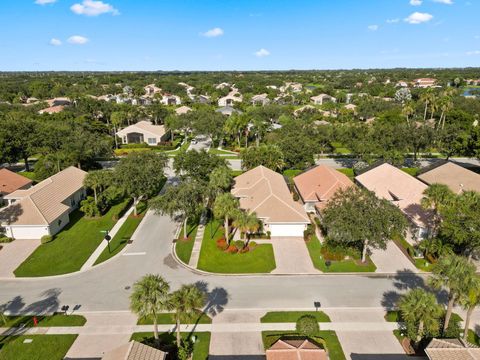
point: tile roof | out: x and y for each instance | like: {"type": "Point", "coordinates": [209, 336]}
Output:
{"type": "Point", "coordinates": [452, 349]}
{"type": "Point", "coordinates": [43, 203]}
{"type": "Point", "coordinates": [265, 192]}
{"type": "Point", "coordinates": [143, 126]}
{"type": "Point", "coordinates": [457, 178]}
{"type": "Point", "coordinates": [302, 349]}
{"type": "Point", "coordinates": [10, 181]}
{"type": "Point", "coordinates": [320, 183]}
{"type": "Point", "coordinates": [400, 188]}
{"type": "Point", "coordinates": [135, 350]}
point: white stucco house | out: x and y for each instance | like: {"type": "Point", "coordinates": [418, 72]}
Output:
{"type": "Point", "coordinates": [143, 132]}
{"type": "Point", "coordinates": [169, 99]}
{"type": "Point", "coordinates": [44, 208]}
{"type": "Point", "coordinates": [322, 99]}
{"type": "Point", "coordinates": [261, 99]}
{"type": "Point", "coordinates": [229, 100]}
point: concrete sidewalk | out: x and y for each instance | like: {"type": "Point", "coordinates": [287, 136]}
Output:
{"type": "Point", "coordinates": [103, 245]}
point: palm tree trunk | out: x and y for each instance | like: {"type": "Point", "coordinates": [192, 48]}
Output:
{"type": "Point", "coordinates": [364, 252]}
{"type": "Point", "coordinates": [420, 331]}
{"type": "Point", "coordinates": [115, 136]}
{"type": "Point", "coordinates": [25, 158]}
{"type": "Point", "coordinates": [135, 202]}
{"type": "Point", "coordinates": [95, 194]}
{"type": "Point", "coordinates": [451, 300]}
{"type": "Point", "coordinates": [155, 327]}
{"type": "Point", "coordinates": [226, 230]}
{"type": "Point", "coordinates": [467, 322]}
{"type": "Point", "coordinates": [178, 331]}
{"type": "Point", "coordinates": [185, 235]}
{"type": "Point", "coordinates": [425, 114]}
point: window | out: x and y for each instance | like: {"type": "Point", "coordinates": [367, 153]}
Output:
{"type": "Point", "coordinates": [152, 141]}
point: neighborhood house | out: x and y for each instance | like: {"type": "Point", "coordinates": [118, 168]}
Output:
{"type": "Point", "coordinates": [322, 99]}
{"type": "Point", "coordinates": [44, 208]}
{"type": "Point", "coordinates": [10, 182]}
{"type": "Point", "coordinates": [457, 178]}
{"type": "Point", "coordinates": [266, 193]}
{"type": "Point", "coordinates": [401, 189]}
{"type": "Point", "coordinates": [143, 132]}
{"type": "Point", "coordinates": [317, 185]}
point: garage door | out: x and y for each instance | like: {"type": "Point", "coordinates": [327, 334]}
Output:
{"type": "Point", "coordinates": [27, 232]}
{"type": "Point", "coordinates": [287, 229]}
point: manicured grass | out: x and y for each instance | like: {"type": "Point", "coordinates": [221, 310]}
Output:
{"type": "Point", "coordinates": [212, 259]}
{"type": "Point", "coordinates": [339, 148]}
{"type": "Point", "coordinates": [314, 249]}
{"type": "Point", "coordinates": [235, 173]}
{"type": "Point", "coordinates": [168, 318]}
{"type": "Point", "coordinates": [396, 316]}
{"type": "Point", "coordinates": [44, 321]}
{"type": "Point", "coordinates": [348, 171]}
{"type": "Point", "coordinates": [291, 173]}
{"type": "Point", "coordinates": [184, 146]}
{"type": "Point", "coordinates": [124, 234]}
{"type": "Point", "coordinates": [326, 338]}
{"type": "Point", "coordinates": [473, 338]}
{"type": "Point", "coordinates": [184, 247]}
{"type": "Point", "coordinates": [292, 316]}
{"type": "Point", "coordinates": [42, 347]}
{"type": "Point", "coordinates": [167, 342]}
{"type": "Point", "coordinates": [71, 247]}
{"type": "Point", "coordinates": [422, 264]}
{"type": "Point", "coordinates": [29, 175]}
{"type": "Point", "coordinates": [411, 171]}
{"type": "Point", "coordinates": [222, 152]}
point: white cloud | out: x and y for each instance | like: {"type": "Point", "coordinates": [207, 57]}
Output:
{"type": "Point", "coordinates": [77, 40]}
{"type": "Point", "coordinates": [262, 53]}
{"type": "Point", "coordinates": [393, 21]}
{"type": "Point", "coordinates": [213, 32]}
{"type": "Point", "coordinates": [475, 52]}
{"type": "Point", "coordinates": [373, 27]}
{"type": "Point", "coordinates": [93, 8]}
{"type": "Point", "coordinates": [447, 2]}
{"type": "Point", "coordinates": [416, 2]}
{"type": "Point", "coordinates": [55, 42]}
{"type": "Point", "coordinates": [418, 18]}
{"type": "Point", "coordinates": [44, 2]}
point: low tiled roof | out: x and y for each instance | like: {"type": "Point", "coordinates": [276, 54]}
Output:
{"type": "Point", "coordinates": [265, 192]}
{"type": "Point", "coordinates": [43, 203]}
{"type": "Point", "coordinates": [401, 189]}
{"type": "Point", "coordinates": [143, 126]}
{"type": "Point", "coordinates": [183, 110]}
{"type": "Point", "coordinates": [10, 181]}
{"type": "Point", "coordinates": [320, 183]}
{"type": "Point", "coordinates": [457, 178]}
{"type": "Point", "coordinates": [301, 349]}
{"type": "Point", "coordinates": [52, 109]}
{"type": "Point", "coordinates": [135, 350]}
{"type": "Point", "coordinates": [452, 349]}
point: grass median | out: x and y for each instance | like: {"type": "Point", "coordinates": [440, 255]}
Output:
{"type": "Point", "coordinates": [51, 347]}
{"type": "Point", "coordinates": [292, 316]}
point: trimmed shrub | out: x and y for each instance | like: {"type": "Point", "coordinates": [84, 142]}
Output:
{"type": "Point", "coordinates": [307, 325]}
{"type": "Point", "coordinates": [6, 239]}
{"type": "Point", "coordinates": [232, 249]}
{"type": "Point", "coordinates": [252, 244]}
{"type": "Point", "coordinates": [46, 238]}
{"type": "Point", "coordinates": [239, 244]}
{"type": "Point", "coordinates": [269, 235]}
{"type": "Point", "coordinates": [308, 233]}
{"type": "Point", "coordinates": [295, 196]}
{"type": "Point", "coordinates": [222, 244]}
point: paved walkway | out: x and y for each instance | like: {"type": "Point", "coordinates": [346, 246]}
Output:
{"type": "Point", "coordinates": [197, 246]}
{"type": "Point", "coordinates": [392, 260]}
{"type": "Point", "coordinates": [13, 254]}
{"type": "Point", "coordinates": [103, 245]}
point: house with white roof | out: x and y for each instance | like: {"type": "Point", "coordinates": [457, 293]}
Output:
{"type": "Point", "coordinates": [44, 208]}
{"type": "Point", "coordinates": [322, 99]}
{"type": "Point", "coordinates": [143, 132]}
{"type": "Point", "coordinates": [229, 100]}
{"type": "Point", "coordinates": [261, 99]}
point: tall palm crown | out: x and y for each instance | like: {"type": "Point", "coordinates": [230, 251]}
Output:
{"type": "Point", "coordinates": [226, 206]}
{"type": "Point", "coordinates": [470, 299]}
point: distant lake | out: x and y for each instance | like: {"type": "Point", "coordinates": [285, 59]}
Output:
{"type": "Point", "coordinates": [471, 91]}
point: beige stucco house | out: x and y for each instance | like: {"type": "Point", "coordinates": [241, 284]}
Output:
{"type": "Point", "coordinates": [143, 132]}
{"type": "Point", "coordinates": [322, 99]}
{"type": "Point", "coordinates": [44, 208]}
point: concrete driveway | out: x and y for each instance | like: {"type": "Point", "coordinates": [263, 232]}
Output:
{"type": "Point", "coordinates": [13, 254]}
{"type": "Point", "coordinates": [291, 256]}
{"type": "Point", "coordinates": [202, 143]}
{"type": "Point", "coordinates": [392, 260]}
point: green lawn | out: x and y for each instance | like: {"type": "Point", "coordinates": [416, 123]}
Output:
{"type": "Point", "coordinates": [292, 316]}
{"type": "Point", "coordinates": [42, 347]}
{"type": "Point", "coordinates": [184, 146]}
{"type": "Point", "coordinates": [124, 234]}
{"type": "Point", "coordinates": [45, 321]}
{"type": "Point", "coordinates": [348, 171]}
{"type": "Point", "coordinates": [411, 171]}
{"type": "Point", "coordinates": [184, 247]}
{"type": "Point", "coordinates": [167, 341]}
{"type": "Point", "coordinates": [328, 339]}
{"type": "Point", "coordinates": [235, 173]}
{"type": "Point", "coordinates": [222, 152]}
{"type": "Point", "coordinates": [29, 175]}
{"type": "Point", "coordinates": [167, 318]}
{"type": "Point", "coordinates": [290, 174]}
{"type": "Point", "coordinates": [71, 247]}
{"type": "Point", "coordinates": [396, 316]}
{"type": "Point", "coordinates": [422, 264]}
{"type": "Point", "coordinates": [212, 259]}
{"type": "Point", "coordinates": [473, 338]}
{"type": "Point", "coordinates": [339, 148]}
{"type": "Point", "coordinates": [314, 248]}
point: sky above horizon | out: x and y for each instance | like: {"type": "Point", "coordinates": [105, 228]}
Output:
{"type": "Point", "coordinates": [128, 35]}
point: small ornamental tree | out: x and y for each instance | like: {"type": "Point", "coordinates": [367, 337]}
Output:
{"type": "Point", "coordinates": [307, 325]}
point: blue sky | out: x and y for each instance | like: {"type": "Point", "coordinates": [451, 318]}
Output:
{"type": "Point", "coordinates": [237, 34]}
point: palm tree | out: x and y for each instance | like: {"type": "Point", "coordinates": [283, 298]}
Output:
{"type": "Point", "coordinates": [246, 223]}
{"type": "Point", "coordinates": [426, 97]}
{"type": "Point", "coordinates": [186, 302]}
{"type": "Point", "coordinates": [96, 180]}
{"type": "Point", "coordinates": [408, 110]}
{"type": "Point", "coordinates": [470, 300]}
{"type": "Point", "coordinates": [149, 298]}
{"type": "Point", "coordinates": [436, 197]}
{"type": "Point", "coordinates": [420, 308]}
{"type": "Point", "coordinates": [454, 273]}
{"type": "Point", "coordinates": [116, 119]}
{"type": "Point", "coordinates": [226, 206]}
